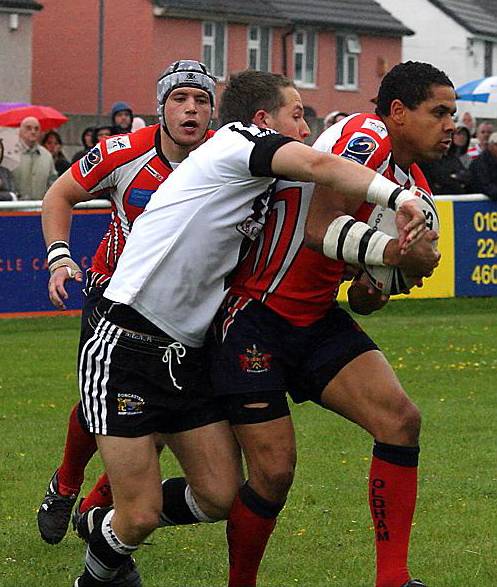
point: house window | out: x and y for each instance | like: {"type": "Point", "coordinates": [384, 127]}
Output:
{"type": "Point", "coordinates": [214, 48]}
{"type": "Point", "coordinates": [304, 57]}
{"type": "Point", "coordinates": [488, 59]}
{"type": "Point", "coordinates": [348, 51]}
{"type": "Point", "coordinates": [259, 43]}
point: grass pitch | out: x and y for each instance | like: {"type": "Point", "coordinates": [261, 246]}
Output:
{"type": "Point", "coordinates": [445, 353]}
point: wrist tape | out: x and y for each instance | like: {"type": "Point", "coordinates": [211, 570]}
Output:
{"type": "Point", "coordinates": [352, 241]}
{"type": "Point", "coordinates": [59, 255]}
{"type": "Point", "coordinates": [387, 194]}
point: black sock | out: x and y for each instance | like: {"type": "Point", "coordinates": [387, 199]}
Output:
{"type": "Point", "coordinates": [179, 506]}
{"type": "Point", "coordinates": [105, 553]}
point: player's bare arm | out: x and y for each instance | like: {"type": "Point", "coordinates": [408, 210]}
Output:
{"type": "Point", "coordinates": [300, 162]}
{"type": "Point", "coordinates": [57, 207]}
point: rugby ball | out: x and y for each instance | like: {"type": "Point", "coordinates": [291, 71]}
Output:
{"type": "Point", "coordinates": [391, 280]}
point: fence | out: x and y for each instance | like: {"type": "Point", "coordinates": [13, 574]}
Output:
{"type": "Point", "coordinates": [468, 242]}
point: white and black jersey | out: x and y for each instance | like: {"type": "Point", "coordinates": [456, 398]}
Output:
{"type": "Point", "coordinates": [194, 231]}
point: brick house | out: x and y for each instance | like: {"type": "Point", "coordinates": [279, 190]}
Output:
{"type": "Point", "coordinates": [336, 50]}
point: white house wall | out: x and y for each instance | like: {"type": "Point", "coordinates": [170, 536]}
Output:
{"type": "Point", "coordinates": [15, 59]}
{"type": "Point", "coordinates": [440, 40]}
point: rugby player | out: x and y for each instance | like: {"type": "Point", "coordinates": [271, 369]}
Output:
{"type": "Point", "coordinates": [281, 330]}
{"type": "Point", "coordinates": [195, 229]}
{"type": "Point", "coordinates": [132, 167]}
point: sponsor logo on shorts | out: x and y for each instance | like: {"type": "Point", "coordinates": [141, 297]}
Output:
{"type": "Point", "coordinates": [376, 126]}
{"type": "Point", "coordinates": [117, 144]}
{"type": "Point", "coordinates": [253, 361]}
{"type": "Point", "coordinates": [360, 148]}
{"type": "Point", "coordinates": [129, 404]}
{"type": "Point", "coordinates": [90, 160]}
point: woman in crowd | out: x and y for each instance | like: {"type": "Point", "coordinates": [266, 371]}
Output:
{"type": "Point", "coordinates": [53, 143]}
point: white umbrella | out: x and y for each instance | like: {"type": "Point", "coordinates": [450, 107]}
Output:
{"type": "Point", "coordinates": [11, 148]}
{"type": "Point", "coordinates": [482, 90]}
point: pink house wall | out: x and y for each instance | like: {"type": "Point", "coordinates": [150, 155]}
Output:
{"type": "Point", "coordinates": [139, 45]}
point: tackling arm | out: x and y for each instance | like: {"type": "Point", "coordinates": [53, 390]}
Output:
{"type": "Point", "coordinates": [356, 182]}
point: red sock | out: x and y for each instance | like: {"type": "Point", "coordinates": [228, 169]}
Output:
{"type": "Point", "coordinates": [392, 501]}
{"type": "Point", "coordinates": [250, 524]}
{"type": "Point", "coordinates": [100, 496]}
{"type": "Point", "coordinates": [80, 447]}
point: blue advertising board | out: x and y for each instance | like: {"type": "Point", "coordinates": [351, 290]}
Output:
{"type": "Point", "coordinates": [475, 248]}
{"type": "Point", "coordinates": [23, 263]}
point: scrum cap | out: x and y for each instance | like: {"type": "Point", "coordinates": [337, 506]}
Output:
{"type": "Point", "coordinates": [185, 73]}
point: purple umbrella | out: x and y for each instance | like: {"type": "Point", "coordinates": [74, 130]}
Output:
{"type": "Point", "coordinates": [4, 106]}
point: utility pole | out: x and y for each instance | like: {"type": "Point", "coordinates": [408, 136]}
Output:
{"type": "Point", "coordinates": [100, 74]}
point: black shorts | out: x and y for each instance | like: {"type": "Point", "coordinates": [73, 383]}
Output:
{"type": "Point", "coordinates": [261, 351]}
{"type": "Point", "coordinates": [135, 380]}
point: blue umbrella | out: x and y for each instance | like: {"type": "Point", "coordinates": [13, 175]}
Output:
{"type": "Point", "coordinates": [479, 90]}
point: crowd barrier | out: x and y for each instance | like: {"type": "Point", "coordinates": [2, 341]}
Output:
{"type": "Point", "coordinates": [468, 243]}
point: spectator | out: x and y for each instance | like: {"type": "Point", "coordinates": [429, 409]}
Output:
{"type": "Point", "coordinates": [468, 121]}
{"type": "Point", "coordinates": [122, 118]}
{"type": "Point", "coordinates": [86, 141]}
{"type": "Point", "coordinates": [483, 132]}
{"type": "Point", "coordinates": [36, 170]}
{"type": "Point", "coordinates": [138, 123]}
{"type": "Point", "coordinates": [100, 132]}
{"type": "Point", "coordinates": [53, 143]}
{"type": "Point", "coordinates": [333, 117]}
{"type": "Point", "coordinates": [7, 185]}
{"type": "Point", "coordinates": [460, 142]}
{"type": "Point", "coordinates": [484, 170]}
{"type": "Point", "coordinates": [449, 175]}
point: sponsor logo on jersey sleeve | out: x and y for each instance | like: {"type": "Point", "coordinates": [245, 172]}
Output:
{"type": "Point", "coordinates": [117, 144]}
{"type": "Point", "coordinates": [360, 148]}
{"type": "Point", "coordinates": [90, 160]}
{"type": "Point", "coordinates": [376, 126]}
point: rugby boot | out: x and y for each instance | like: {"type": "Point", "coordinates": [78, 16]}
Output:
{"type": "Point", "coordinates": [83, 523]}
{"type": "Point", "coordinates": [414, 583]}
{"type": "Point", "coordinates": [55, 512]}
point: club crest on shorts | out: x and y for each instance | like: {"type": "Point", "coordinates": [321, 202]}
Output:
{"type": "Point", "coordinates": [253, 361]}
{"type": "Point", "coordinates": [129, 404]}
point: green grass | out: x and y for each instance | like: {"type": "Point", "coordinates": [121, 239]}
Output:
{"type": "Point", "coordinates": [444, 351]}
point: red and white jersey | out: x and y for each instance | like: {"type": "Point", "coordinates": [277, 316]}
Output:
{"type": "Point", "coordinates": [474, 151]}
{"type": "Point", "coordinates": [300, 284]}
{"type": "Point", "coordinates": [129, 168]}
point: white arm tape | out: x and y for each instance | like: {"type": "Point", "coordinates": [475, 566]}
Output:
{"type": "Point", "coordinates": [386, 193]}
{"type": "Point", "coordinates": [352, 241]}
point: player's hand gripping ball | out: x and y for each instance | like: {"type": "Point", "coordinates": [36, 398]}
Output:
{"type": "Point", "coordinates": [392, 280]}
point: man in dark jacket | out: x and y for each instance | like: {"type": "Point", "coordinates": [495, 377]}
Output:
{"type": "Point", "coordinates": [122, 118]}
{"type": "Point", "coordinates": [484, 170]}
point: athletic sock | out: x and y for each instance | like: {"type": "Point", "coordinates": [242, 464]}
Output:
{"type": "Point", "coordinates": [105, 553]}
{"type": "Point", "coordinates": [99, 497]}
{"type": "Point", "coordinates": [179, 505]}
{"type": "Point", "coordinates": [392, 501]}
{"type": "Point", "coordinates": [80, 447]}
{"type": "Point", "coordinates": [251, 521]}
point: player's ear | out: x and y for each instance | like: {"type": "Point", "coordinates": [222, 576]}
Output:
{"type": "Point", "coordinates": [398, 111]}
{"type": "Point", "coordinates": [260, 118]}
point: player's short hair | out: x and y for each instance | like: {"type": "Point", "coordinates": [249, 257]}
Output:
{"type": "Point", "coordinates": [249, 91]}
{"type": "Point", "coordinates": [411, 83]}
